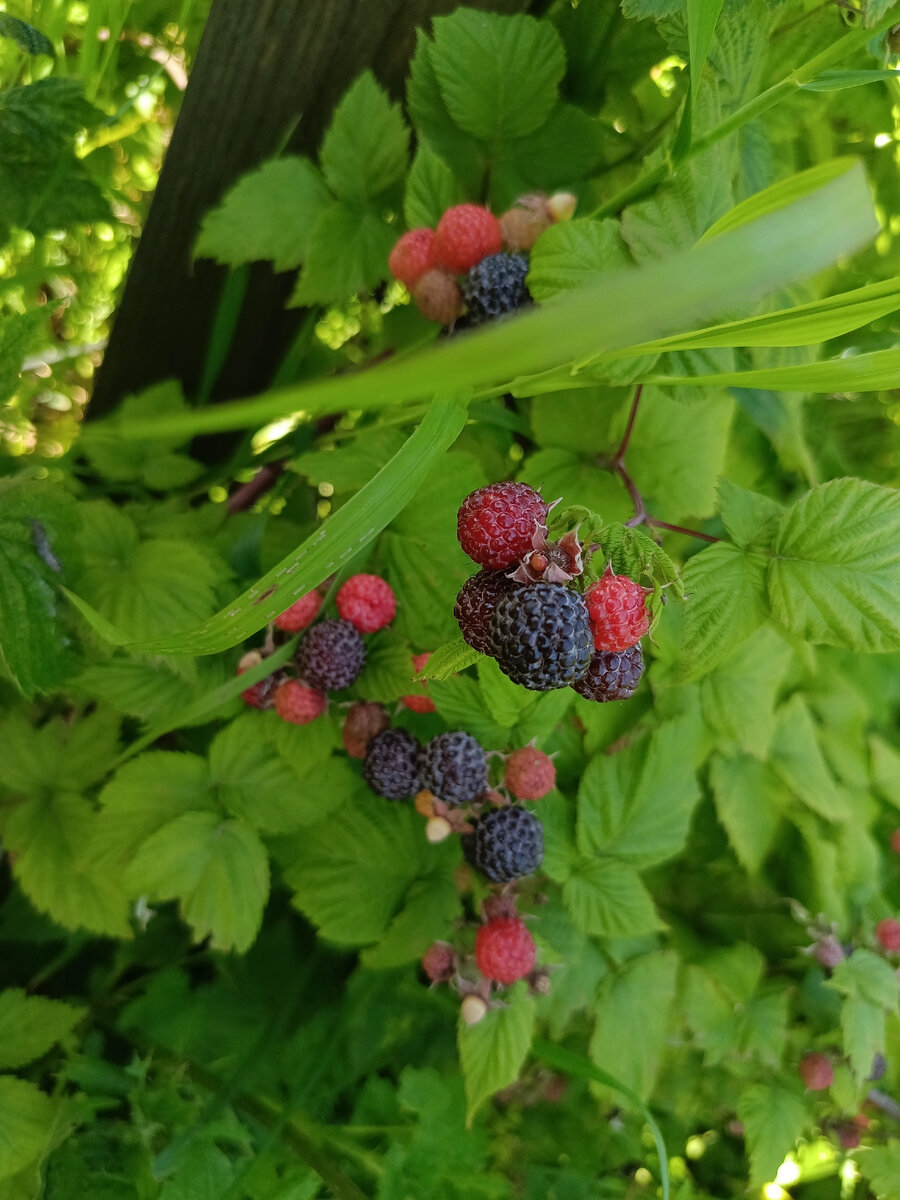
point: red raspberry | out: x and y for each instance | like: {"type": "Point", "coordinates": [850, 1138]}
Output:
{"type": "Point", "coordinates": [895, 841]}
{"type": "Point", "coordinates": [438, 297]}
{"type": "Point", "coordinates": [439, 962]}
{"type": "Point", "coordinates": [816, 1072]}
{"type": "Point", "coordinates": [530, 774]}
{"type": "Point", "coordinates": [504, 950]}
{"type": "Point", "coordinates": [619, 616]}
{"type": "Point", "coordinates": [258, 695]}
{"type": "Point", "coordinates": [496, 524]}
{"type": "Point", "coordinates": [362, 723]}
{"type": "Point", "coordinates": [465, 235]}
{"type": "Point", "coordinates": [301, 613]}
{"type": "Point", "coordinates": [419, 704]}
{"type": "Point", "coordinates": [368, 602]}
{"type": "Point", "coordinates": [299, 704]}
{"type": "Point", "coordinates": [412, 256]}
{"type": "Point", "coordinates": [888, 933]}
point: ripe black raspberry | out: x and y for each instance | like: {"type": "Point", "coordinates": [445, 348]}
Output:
{"type": "Point", "coordinates": [541, 636]}
{"type": "Point", "coordinates": [496, 286]}
{"type": "Point", "coordinates": [475, 606]}
{"type": "Point", "coordinates": [331, 655]}
{"type": "Point", "coordinates": [391, 765]}
{"type": "Point", "coordinates": [506, 844]}
{"type": "Point", "coordinates": [454, 768]}
{"type": "Point", "coordinates": [612, 675]}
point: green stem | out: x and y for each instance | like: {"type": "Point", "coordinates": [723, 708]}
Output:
{"type": "Point", "coordinates": [650, 180]}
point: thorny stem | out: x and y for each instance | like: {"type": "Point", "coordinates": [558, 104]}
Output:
{"type": "Point", "coordinates": [617, 465]}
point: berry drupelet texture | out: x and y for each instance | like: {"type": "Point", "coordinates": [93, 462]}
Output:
{"type": "Point", "coordinates": [496, 525]}
{"type": "Point", "coordinates": [438, 297]}
{"type": "Point", "coordinates": [888, 933]}
{"type": "Point", "coordinates": [816, 1072]}
{"type": "Point", "coordinates": [619, 616]}
{"type": "Point", "coordinates": [465, 235]}
{"type": "Point", "coordinates": [612, 675]}
{"type": "Point", "coordinates": [367, 602]}
{"type": "Point", "coordinates": [412, 256]}
{"type": "Point", "coordinates": [301, 614]}
{"type": "Point", "coordinates": [298, 704]}
{"type": "Point", "coordinates": [530, 773]}
{"type": "Point", "coordinates": [391, 765]}
{"type": "Point", "coordinates": [541, 636]}
{"type": "Point", "coordinates": [507, 843]}
{"type": "Point", "coordinates": [364, 721]}
{"type": "Point", "coordinates": [331, 655]}
{"type": "Point", "coordinates": [454, 768]}
{"type": "Point", "coordinates": [475, 605]}
{"type": "Point", "coordinates": [496, 286]}
{"type": "Point", "coordinates": [504, 950]}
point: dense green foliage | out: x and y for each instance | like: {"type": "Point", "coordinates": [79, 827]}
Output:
{"type": "Point", "coordinates": [210, 926]}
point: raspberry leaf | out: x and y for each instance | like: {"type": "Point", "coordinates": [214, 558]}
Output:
{"type": "Point", "coordinates": [738, 697]}
{"type": "Point", "coordinates": [797, 760]}
{"type": "Point", "coordinates": [493, 1051]}
{"type": "Point", "coordinates": [773, 1118]}
{"type": "Point", "coordinates": [431, 188]}
{"type": "Point", "coordinates": [499, 76]}
{"type": "Point", "coordinates": [449, 659]}
{"type": "Point", "coordinates": [364, 153]}
{"type": "Point", "coordinates": [637, 804]}
{"type": "Point", "coordinates": [632, 1021]}
{"type": "Point", "coordinates": [750, 801]}
{"type": "Point", "coordinates": [347, 253]}
{"type": "Point", "coordinates": [217, 870]}
{"type": "Point", "coordinates": [30, 1025]}
{"type": "Point", "coordinates": [835, 576]}
{"type": "Point", "coordinates": [575, 254]}
{"type": "Point", "coordinates": [726, 602]}
{"type": "Point", "coordinates": [607, 899]}
{"type": "Point", "coordinates": [26, 1122]}
{"type": "Point", "coordinates": [254, 783]}
{"type": "Point", "coordinates": [749, 517]}
{"type": "Point", "coordinates": [431, 905]}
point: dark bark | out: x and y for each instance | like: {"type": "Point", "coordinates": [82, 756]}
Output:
{"type": "Point", "coordinates": [266, 70]}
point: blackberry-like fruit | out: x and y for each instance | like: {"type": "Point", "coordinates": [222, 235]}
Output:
{"type": "Point", "coordinates": [496, 525]}
{"type": "Point", "coordinates": [391, 765]}
{"type": "Point", "coordinates": [331, 655]}
{"type": "Point", "coordinates": [454, 768]}
{"type": "Point", "coordinates": [506, 844]}
{"type": "Point", "coordinates": [496, 286]}
{"type": "Point", "coordinates": [612, 675]}
{"type": "Point", "coordinates": [475, 605]}
{"type": "Point", "coordinates": [541, 636]}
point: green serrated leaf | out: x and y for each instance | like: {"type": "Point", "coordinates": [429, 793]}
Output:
{"type": "Point", "coordinates": [632, 1020]}
{"type": "Point", "coordinates": [347, 253]}
{"type": "Point", "coordinates": [431, 906]}
{"type": "Point", "coordinates": [250, 781]}
{"type": "Point", "coordinates": [504, 700]}
{"type": "Point", "coordinates": [863, 1029]}
{"type": "Point", "coordinates": [636, 805]}
{"type": "Point", "coordinates": [26, 1120]}
{"type": "Point", "coordinates": [364, 151]}
{"type": "Point", "coordinates": [575, 254]}
{"type": "Point", "coordinates": [836, 571]}
{"type": "Point", "coordinates": [607, 899]}
{"type": "Point", "coordinates": [431, 189]}
{"type": "Point", "coordinates": [797, 760]}
{"type": "Point", "coordinates": [726, 602]}
{"type": "Point", "coordinates": [449, 659]}
{"type": "Point", "coordinates": [30, 1025]}
{"type": "Point", "coordinates": [217, 870]}
{"type": "Point", "coordinates": [749, 802]}
{"type": "Point", "coordinates": [499, 76]}
{"type": "Point", "coordinates": [880, 1165]}
{"type": "Point", "coordinates": [773, 1119]}
{"type": "Point", "coordinates": [493, 1051]}
{"type": "Point", "coordinates": [269, 214]}
{"type": "Point", "coordinates": [749, 517]}
{"type": "Point", "coordinates": [867, 975]}
{"type": "Point", "coordinates": [738, 697]}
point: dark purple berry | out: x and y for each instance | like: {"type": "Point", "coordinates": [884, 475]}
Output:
{"type": "Point", "coordinates": [331, 655]}
{"type": "Point", "coordinates": [496, 286]}
{"type": "Point", "coordinates": [506, 844]}
{"type": "Point", "coordinates": [391, 765]}
{"type": "Point", "coordinates": [454, 768]}
{"type": "Point", "coordinates": [612, 675]}
{"type": "Point", "coordinates": [475, 605]}
{"type": "Point", "coordinates": [541, 636]}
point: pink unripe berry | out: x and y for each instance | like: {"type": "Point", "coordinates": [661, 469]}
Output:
{"type": "Point", "coordinates": [419, 704]}
{"type": "Point", "coordinates": [298, 704]}
{"type": "Point", "coordinates": [439, 962]}
{"type": "Point", "coordinates": [829, 952]}
{"type": "Point", "coordinates": [530, 773]}
{"type": "Point", "coordinates": [888, 933]}
{"type": "Point", "coordinates": [816, 1072]}
{"type": "Point", "coordinates": [412, 256]}
{"type": "Point", "coordinates": [367, 602]}
{"type": "Point", "coordinates": [301, 613]}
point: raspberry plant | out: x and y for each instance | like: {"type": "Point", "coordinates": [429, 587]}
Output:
{"type": "Point", "coordinates": [335, 862]}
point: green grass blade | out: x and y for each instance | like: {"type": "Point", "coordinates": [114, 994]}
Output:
{"type": "Point", "coordinates": [855, 373]}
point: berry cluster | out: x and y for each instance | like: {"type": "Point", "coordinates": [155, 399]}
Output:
{"type": "Point", "coordinates": [524, 610]}
{"type": "Point", "coordinates": [331, 655]}
{"type": "Point", "coordinates": [473, 261]}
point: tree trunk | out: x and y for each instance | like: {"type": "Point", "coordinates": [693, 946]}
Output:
{"type": "Point", "coordinates": [265, 70]}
